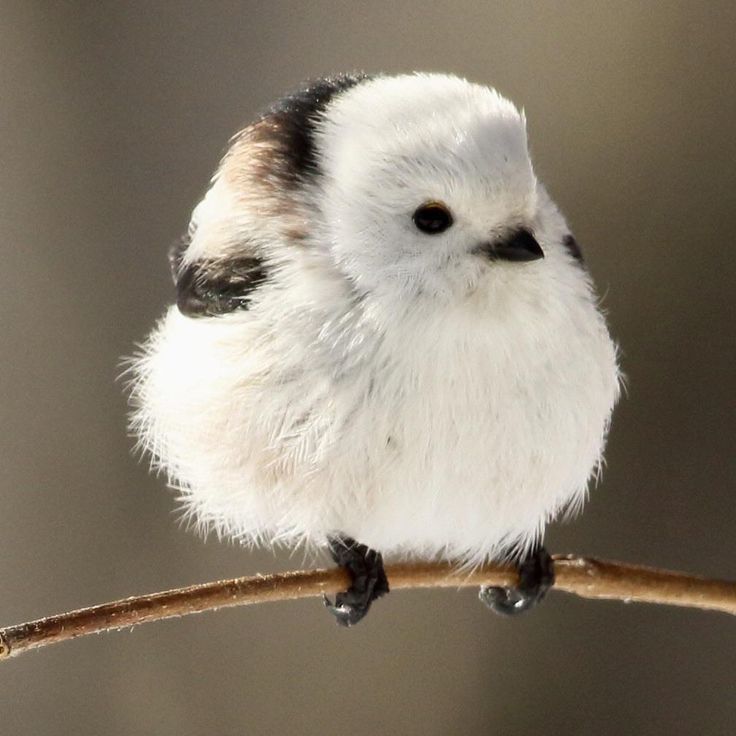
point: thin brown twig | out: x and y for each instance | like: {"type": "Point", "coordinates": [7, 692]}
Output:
{"type": "Point", "coordinates": [584, 576]}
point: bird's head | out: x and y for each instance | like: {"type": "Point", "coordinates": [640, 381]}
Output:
{"type": "Point", "coordinates": [409, 185]}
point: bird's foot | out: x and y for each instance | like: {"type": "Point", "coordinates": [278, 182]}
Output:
{"type": "Point", "coordinates": [536, 577]}
{"type": "Point", "coordinates": [365, 567]}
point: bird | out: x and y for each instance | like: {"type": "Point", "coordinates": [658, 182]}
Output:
{"type": "Point", "coordinates": [385, 344]}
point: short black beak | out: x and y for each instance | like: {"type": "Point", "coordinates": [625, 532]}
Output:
{"type": "Point", "coordinates": [518, 246]}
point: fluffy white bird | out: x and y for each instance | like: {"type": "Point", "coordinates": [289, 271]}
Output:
{"type": "Point", "coordinates": [384, 332]}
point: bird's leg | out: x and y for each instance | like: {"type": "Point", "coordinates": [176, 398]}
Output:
{"type": "Point", "coordinates": [536, 577]}
{"type": "Point", "coordinates": [365, 567]}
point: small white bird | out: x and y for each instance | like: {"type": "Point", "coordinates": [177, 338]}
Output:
{"type": "Point", "coordinates": [384, 332]}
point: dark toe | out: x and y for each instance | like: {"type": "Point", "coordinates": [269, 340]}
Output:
{"type": "Point", "coordinates": [365, 567]}
{"type": "Point", "coordinates": [536, 577]}
{"type": "Point", "coordinates": [347, 609]}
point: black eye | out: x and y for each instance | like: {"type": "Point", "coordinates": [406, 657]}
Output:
{"type": "Point", "coordinates": [432, 218]}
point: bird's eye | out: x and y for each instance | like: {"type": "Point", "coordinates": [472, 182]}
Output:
{"type": "Point", "coordinates": [432, 218]}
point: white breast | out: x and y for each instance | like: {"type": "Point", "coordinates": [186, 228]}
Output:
{"type": "Point", "coordinates": [454, 432]}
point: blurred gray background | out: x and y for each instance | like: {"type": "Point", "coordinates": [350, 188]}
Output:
{"type": "Point", "coordinates": [112, 118]}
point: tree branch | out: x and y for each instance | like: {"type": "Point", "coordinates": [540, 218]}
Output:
{"type": "Point", "coordinates": [584, 576]}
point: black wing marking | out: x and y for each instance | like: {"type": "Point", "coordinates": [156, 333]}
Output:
{"type": "Point", "coordinates": [209, 288]}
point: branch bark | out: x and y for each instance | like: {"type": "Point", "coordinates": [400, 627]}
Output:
{"type": "Point", "coordinates": [586, 577]}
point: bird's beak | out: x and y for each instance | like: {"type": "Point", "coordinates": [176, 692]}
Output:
{"type": "Point", "coordinates": [518, 246]}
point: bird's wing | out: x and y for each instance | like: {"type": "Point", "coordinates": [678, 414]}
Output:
{"type": "Point", "coordinates": [210, 287]}
{"type": "Point", "coordinates": [216, 268]}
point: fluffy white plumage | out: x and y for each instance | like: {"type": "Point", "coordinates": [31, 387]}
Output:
{"type": "Point", "coordinates": [397, 387]}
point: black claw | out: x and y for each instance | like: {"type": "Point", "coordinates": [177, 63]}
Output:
{"type": "Point", "coordinates": [536, 577]}
{"type": "Point", "coordinates": [365, 567]}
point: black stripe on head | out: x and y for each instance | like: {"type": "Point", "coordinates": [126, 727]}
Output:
{"type": "Point", "coordinates": [213, 287]}
{"type": "Point", "coordinates": [572, 247]}
{"type": "Point", "coordinates": [294, 118]}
